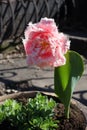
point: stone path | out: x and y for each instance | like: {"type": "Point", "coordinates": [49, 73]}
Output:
{"type": "Point", "coordinates": [15, 76]}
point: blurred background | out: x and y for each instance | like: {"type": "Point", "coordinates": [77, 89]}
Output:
{"type": "Point", "coordinates": [69, 15]}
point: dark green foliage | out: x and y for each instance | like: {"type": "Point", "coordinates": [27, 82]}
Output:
{"type": "Point", "coordinates": [36, 114]}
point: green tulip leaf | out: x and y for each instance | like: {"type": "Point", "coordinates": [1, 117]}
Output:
{"type": "Point", "coordinates": [66, 77]}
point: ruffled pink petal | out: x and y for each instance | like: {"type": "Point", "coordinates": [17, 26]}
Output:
{"type": "Point", "coordinates": [44, 45]}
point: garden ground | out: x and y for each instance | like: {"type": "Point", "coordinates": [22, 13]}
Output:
{"type": "Point", "coordinates": [15, 75]}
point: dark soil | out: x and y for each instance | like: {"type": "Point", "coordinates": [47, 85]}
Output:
{"type": "Point", "coordinates": [76, 121]}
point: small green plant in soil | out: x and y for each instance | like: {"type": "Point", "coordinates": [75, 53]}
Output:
{"type": "Point", "coordinates": [36, 114]}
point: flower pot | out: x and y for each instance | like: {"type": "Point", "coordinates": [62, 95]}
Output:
{"type": "Point", "coordinates": [77, 120]}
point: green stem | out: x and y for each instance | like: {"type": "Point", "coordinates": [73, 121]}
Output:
{"type": "Point", "coordinates": [67, 111]}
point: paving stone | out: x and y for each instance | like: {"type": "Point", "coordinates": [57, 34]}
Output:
{"type": "Point", "coordinates": [20, 77]}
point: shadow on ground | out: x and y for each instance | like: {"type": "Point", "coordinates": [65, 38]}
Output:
{"type": "Point", "coordinates": [81, 96]}
{"type": "Point", "coordinates": [25, 85]}
{"type": "Point", "coordinates": [6, 75]}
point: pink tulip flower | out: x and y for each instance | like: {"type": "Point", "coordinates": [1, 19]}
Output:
{"type": "Point", "coordinates": [44, 44]}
